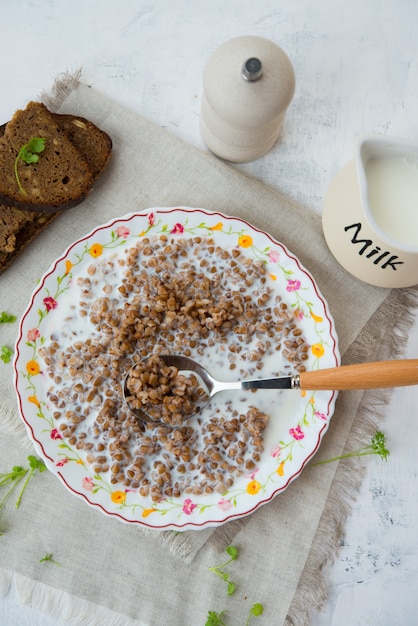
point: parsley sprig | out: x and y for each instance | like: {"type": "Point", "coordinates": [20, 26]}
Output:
{"type": "Point", "coordinates": [29, 153]}
{"type": "Point", "coordinates": [376, 446]}
{"type": "Point", "coordinates": [255, 611]}
{"type": "Point", "coordinates": [13, 478]}
{"type": "Point", "coordinates": [6, 354]}
{"type": "Point", "coordinates": [218, 569]}
{"type": "Point", "coordinates": [7, 318]}
{"type": "Point", "coordinates": [216, 619]}
{"type": "Point", "coordinates": [48, 558]}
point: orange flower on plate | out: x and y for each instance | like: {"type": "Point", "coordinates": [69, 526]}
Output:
{"type": "Point", "coordinates": [318, 350]}
{"type": "Point", "coordinates": [217, 226]}
{"type": "Point", "coordinates": [253, 487]}
{"type": "Point", "coordinates": [96, 250]}
{"type": "Point", "coordinates": [32, 367]}
{"type": "Point", "coordinates": [118, 497]}
{"type": "Point", "coordinates": [280, 469]}
{"type": "Point", "coordinates": [316, 318]}
{"type": "Point", "coordinates": [34, 400]}
{"type": "Point", "coordinates": [68, 266]}
{"type": "Point", "coordinates": [245, 241]}
{"type": "Point", "coordinates": [147, 512]}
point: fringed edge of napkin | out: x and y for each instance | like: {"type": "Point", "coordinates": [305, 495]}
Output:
{"type": "Point", "coordinates": [63, 85]}
{"type": "Point", "coordinates": [11, 423]}
{"type": "Point", "coordinates": [60, 604]}
{"type": "Point", "coordinates": [400, 308]}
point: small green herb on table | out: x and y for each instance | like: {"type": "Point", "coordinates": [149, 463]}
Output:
{"type": "Point", "coordinates": [218, 569]}
{"type": "Point", "coordinates": [7, 318]}
{"type": "Point", "coordinates": [13, 478]}
{"type": "Point", "coordinates": [6, 354]}
{"type": "Point", "coordinates": [376, 446]}
{"type": "Point", "coordinates": [29, 153]}
{"type": "Point", "coordinates": [48, 558]}
{"type": "Point", "coordinates": [215, 619]}
{"type": "Point", "coordinates": [255, 611]}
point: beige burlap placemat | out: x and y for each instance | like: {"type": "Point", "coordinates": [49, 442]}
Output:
{"type": "Point", "coordinates": [160, 578]}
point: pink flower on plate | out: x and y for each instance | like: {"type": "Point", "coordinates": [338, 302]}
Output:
{"type": "Point", "coordinates": [188, 506]}
{"type": "Point", "coordinates": [276, 452]}
{"type": "Point", "coordinates": [225, 505]}
{"type": "Point", "coordinates": [33, 334]}
{"type": "Point", "coordinates": [253, 473]}
{"type": "Point", "coordinates": [273, 256]}
{"type": "Point", "coordinates": [321, 415]}
{"type": "Point", "coordinates": [299, 314]}
{"type": "Point", "coordinates": [151, 219]}
{"type": "Point", "coordinates": [62, 462]}
{"type": "Point", "coordinates": [50, 303]}
{"type": "Point", "coordinates": [177, 229]}
{"type": "Point", "coordinates": [87, 484]}
{"type": "Point", "coordinates": [122, 231]}
{"type": "Point", "coordinates": [293, 285]}
{"type": "Point", "coordinates": [55, 434]}
{"type": "Point", "coordinates": [297, 433]}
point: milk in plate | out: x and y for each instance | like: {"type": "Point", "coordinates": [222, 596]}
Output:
{"type": "Point", "coordinates": [392, 184]}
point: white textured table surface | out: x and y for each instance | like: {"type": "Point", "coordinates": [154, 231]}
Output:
{"type": "Point", "coordinates": [356, 67]}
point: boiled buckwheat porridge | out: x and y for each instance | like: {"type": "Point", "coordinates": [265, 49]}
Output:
{"type": "Point", "coordinates": [163, 392]}
{"type": "Point", "coordinates": [169, 295]}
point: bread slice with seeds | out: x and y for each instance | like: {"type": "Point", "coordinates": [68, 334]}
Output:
{"type": "Point", "coordinates": [17, 229]}
{"type": "Point", "coordinates": [59, 180]}
{"type": "Point", "coordinates": [94, 144]}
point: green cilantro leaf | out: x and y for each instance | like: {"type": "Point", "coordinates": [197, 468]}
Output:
{"type": "Point", "coordinates": [29, 153]}
{"type": "Point", "coordinates": [255, 611]}
{"type": "Point", "coordinates": [6, 317]}
{"type": "Point", "coordinates": [6, 354]}
{"type": "Point", "coordinates": [215, 619]}
{"type": "Point", "coordinates": [233, 552]}
{"type": "Point", "coordinates": [36, 464]}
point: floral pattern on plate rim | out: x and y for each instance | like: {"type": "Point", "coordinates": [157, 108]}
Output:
{"type": "Point", "coordinates": [249, 492]}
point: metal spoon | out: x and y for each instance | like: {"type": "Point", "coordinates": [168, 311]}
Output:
{"type": "Point", "coordinates": [374, 375]}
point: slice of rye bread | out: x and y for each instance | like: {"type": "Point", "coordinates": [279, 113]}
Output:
{"type": "Point", "coordinates": [19, 227]}
{"type": "Point", "coordinates": [94, 144]}
{"type": "Point", "coordinates": [60, 179]}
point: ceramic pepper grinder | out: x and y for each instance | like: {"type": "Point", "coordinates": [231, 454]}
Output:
{"type": "Point", "coordinates": [248, 84]}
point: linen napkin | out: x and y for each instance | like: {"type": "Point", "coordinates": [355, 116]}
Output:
{"type": "Point", "coordinates": [159, 577]}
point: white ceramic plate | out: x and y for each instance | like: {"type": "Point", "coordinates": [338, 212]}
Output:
{"type": "Point", "coordinates": [297, 422]}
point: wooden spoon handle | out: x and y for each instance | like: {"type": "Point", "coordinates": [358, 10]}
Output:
{"type": "Point", "coordinates": [363, 376]}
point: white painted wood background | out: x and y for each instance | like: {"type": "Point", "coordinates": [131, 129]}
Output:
{"type": "Point", "coordinates": [356, 67]}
